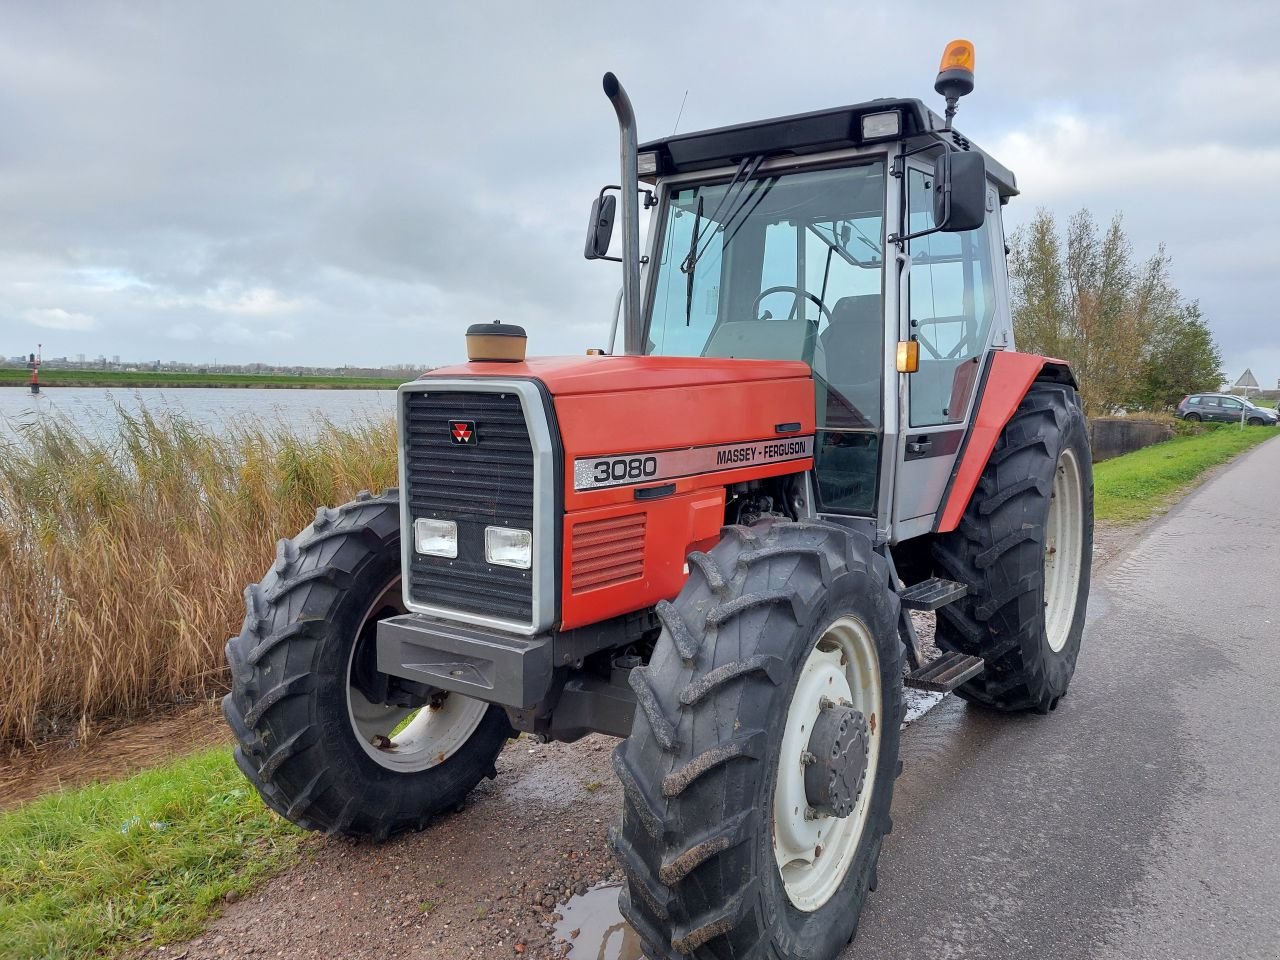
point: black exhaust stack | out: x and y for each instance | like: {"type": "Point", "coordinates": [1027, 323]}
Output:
{"type": "Point", "coordinates": [631, 326]}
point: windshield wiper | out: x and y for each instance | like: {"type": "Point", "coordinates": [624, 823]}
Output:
{"type": "Point", "coordinates": [746, 170]}
{"type": "Point", "coordinates": [692, 257]}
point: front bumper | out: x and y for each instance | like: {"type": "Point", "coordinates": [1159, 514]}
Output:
{"type": "Point", "coordinates": [514, 671]}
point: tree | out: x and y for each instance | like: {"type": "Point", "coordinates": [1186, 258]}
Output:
{"type": "Point", "coordinates": [1091, 303]}
{"type": "Point", "coordinates": [1183, 359]}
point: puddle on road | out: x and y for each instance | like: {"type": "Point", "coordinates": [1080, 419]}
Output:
{"type": "Point", "coordinates": [602, 933]}
{"type": "Point", "coordinates": [917, 703]}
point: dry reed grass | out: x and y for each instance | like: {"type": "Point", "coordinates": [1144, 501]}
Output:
{"type": "Point", "coordinates": [123, 560]}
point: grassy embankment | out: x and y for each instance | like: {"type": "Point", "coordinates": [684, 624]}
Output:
{"type": "Point", "coordinates": [1141, 484]}
{"type": "Point", "coordinates": [120, 379]}
{"type": "Point", "coordinates": [99, 870]}
{"type": "Point", "coordinates": [104, 869]}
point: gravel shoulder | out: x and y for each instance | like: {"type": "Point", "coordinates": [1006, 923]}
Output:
{"type": "Point", "coordinates": [481, 882]}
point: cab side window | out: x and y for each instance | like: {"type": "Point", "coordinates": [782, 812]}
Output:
{"type": "Point", "coordinates": [952, 292]}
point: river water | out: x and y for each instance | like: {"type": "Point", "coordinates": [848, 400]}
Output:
{"type": "Point", "coordinates": [94, 409]}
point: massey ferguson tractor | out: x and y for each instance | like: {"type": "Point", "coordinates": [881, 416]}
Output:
{"type": "Point", "coordinates": [707, 543]}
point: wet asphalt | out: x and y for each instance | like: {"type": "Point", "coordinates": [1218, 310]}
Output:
{"type": "Point", "coordinates": [1142, 818]}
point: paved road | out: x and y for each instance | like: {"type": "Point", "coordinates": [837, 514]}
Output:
{"type": "Point", "coordinates": [1142, 819]}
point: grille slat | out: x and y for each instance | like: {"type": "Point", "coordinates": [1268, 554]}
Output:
{"type": "Point", "coordinates": [487, 483]}
{"type": "Point", "coordinates": [607, 552]}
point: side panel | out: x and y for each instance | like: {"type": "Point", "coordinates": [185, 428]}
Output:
{"type": "Point", "coordinates": [625, 540]}
{"type": "Point", "coordinates": [1006, 381]}
{"type": "Point", "coordinates": [631, 422]}
{"type": "Point", "coordinates": [628, 556]}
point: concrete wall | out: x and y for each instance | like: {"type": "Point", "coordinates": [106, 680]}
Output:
{"type": "Point", "coordinates": [1113, 436]}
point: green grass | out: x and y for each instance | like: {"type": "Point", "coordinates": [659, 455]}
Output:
{"type": "Point", "coordinates": [104, 869]}
{"type": "Point", "coordinates": [1140, 484]}
{"type": "Point", "coordinates": [13, 376]}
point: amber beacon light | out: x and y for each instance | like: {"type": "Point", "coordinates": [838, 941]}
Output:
{"type": "Point", "coordinates": [955, 75]}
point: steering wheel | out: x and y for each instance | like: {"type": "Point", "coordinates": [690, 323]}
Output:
{"type": "Point", "coordinates": [822, 307]}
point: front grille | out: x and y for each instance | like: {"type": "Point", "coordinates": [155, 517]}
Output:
{"type": "Point", "coordinates": [488, 482]}
{"type": "Point", "coordinates": [607, 552]}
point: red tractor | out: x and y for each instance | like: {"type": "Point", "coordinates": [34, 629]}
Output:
{"type": "Point", "coordinates": [711, 543]}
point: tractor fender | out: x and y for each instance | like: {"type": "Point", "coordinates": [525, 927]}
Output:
{"type": "Point", "coordinates": [1006, 378]}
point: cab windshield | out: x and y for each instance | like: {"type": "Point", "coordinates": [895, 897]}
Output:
{"type": "Point", "coordinates": [786, 267]}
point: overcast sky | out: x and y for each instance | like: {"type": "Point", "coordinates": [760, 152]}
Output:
{"type": "Point", "coordinates": [329, 183]}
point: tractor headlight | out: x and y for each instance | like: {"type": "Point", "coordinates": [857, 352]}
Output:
{"type": "Point", "coordinates": [436, 538]}
{"type": "Point", "coordinates": [507, 547]}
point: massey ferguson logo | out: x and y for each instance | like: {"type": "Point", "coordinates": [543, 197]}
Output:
{"type": "Point", "coordinates": [462, 431]}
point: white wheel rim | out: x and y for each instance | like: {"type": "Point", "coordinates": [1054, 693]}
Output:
{"type": "Point", "coordinates": [814, 855]}
{"type": "Point", "coordinates": [1063, 543]}
{"type": "Point", "coordinates": [409, 739]}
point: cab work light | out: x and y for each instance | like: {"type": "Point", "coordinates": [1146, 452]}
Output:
{"type": "Point", "coordinates": [646, 164]}
{"type": "Point", "coordinates": [508, 547]}
{"type": "Point", "coordinates": [436, 538]}
{"type": "Point", "coordinates": [881, 126]}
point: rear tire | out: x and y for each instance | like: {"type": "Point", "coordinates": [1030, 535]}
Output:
{"type": "Point", "coordinates": [1192, 418]}
{"type": "Point", "coordinates": [1024, 548]}
{"type": "Point", "coordinates": [320, 752]}
{"type": "Point", "coordinates": [776, 615]}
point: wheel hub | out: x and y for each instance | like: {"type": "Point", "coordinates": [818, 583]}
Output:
{"type": "Point", "coordinates": [406, 730]}
{"type": "Point", "coordinates": [1063, 555]}
{"type": "Point", "coordinates": [836, 761]}
{"type": "Point", "coordinates": [827, 763]}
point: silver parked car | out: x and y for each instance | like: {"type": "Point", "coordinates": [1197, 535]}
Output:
{"type": "Point", "coordinates": [1225, 408]}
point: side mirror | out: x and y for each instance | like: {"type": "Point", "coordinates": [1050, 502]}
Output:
{"type": "Point", "coordinates": [959, 191]}
{"type": "Point", "coordinates": [600, 227]}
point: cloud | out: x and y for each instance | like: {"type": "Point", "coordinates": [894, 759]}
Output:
{"type": "Point", "coordinates": [301, 184]}
{"type": "Point", "coordinates": [55, 318]}
{"type": "Point", "coordinates": [1063, 154]}
{"type": "Point", "coordinates": [1188, 194]}
{"type": "Point", "coordinates": [229, 298]}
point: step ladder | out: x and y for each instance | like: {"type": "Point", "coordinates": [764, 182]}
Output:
{"type": "Point", "coordinates": [931, 594]}
{"type": "Point", "coordinates": [948, 671]}
{"type": "Point", "coordinates": [945, 673]}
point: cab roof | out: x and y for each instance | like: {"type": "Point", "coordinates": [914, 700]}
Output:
{"type": "Point", "coordinates": [807, 133]}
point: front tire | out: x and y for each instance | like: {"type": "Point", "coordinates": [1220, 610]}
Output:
{"type": "Point", "coordinates": [1024, 547]}
{"type": "Point", "coordinates": [782, 631]}
{"type": "Point", "coordinates": [315, 733]}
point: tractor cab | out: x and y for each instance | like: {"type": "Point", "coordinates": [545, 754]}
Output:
{"type": "Point", "coordinates": [864, 240]}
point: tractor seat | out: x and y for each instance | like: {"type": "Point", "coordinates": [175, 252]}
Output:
{"type": "Point", "coordinates": [853, 355]}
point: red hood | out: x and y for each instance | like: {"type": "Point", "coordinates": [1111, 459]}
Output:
{"type": "Point", "coordinates": [565, 376]}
